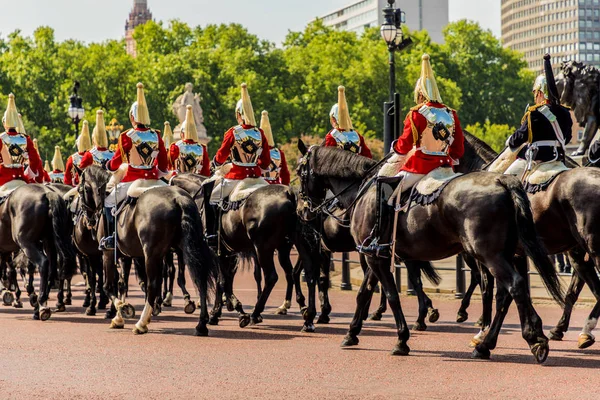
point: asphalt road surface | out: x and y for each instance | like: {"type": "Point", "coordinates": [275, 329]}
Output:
{"type": "Point", "coordinates": [74, 356]}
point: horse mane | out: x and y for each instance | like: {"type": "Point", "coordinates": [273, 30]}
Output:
{"type": "Point", "coordinates": [481, 148]}
{"type": "Point", "coordinates": [97, 174]}
{"type": "Point", "coordinates": [340, 164]}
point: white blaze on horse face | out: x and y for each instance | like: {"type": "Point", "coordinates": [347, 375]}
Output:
{"type": "Point", "coordinates": [145, 318]}
{"type": "Point", "coordinates": [589, 326]}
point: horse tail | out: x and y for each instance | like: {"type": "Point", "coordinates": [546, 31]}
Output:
{"type": "Point", "coordinates": [430, 273]}
{"type": "Point", "coordinates": [61, 233]}
{"type": "Point", "coordinates": [528, 237]}
{"type": "Point", "coordinates": [198, 257]}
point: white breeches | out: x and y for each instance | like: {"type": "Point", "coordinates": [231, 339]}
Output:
{"type": "Point", "coordinates": [409, 179]}
{"type": "Point", "coordinates": [222, 190]}
{"type": "Point", "coordinates": [516, 168]}
{"type": "Point", "coordinates": [121, 191]}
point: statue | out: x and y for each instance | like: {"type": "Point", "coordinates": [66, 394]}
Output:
{"type": "Point", "coordinates": [179, 109]}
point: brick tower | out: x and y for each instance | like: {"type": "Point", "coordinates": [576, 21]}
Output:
{"type": "Point", "coordinates": [139, 15]}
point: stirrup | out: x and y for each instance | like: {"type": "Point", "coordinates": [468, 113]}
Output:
{"type": "Point", "coordinates": [374, 249]}
{"type": "Point", "coordinates": [107, 243]}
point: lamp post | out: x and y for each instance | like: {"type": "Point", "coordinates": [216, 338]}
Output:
{"type": "Point", "coordinates": [76, 111]}
{"type": "Point", "coordinates": [391, 32]}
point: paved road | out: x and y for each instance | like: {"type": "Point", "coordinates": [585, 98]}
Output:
{"type": "Point", "coordinates": [73, 356]}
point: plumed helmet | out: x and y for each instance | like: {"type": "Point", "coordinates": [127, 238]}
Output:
{"type": "Point", "coordinates": [139, 109]}
{"type": "Point", "coordinates": [84, 142]}
{"type": "Point", "coordinates": [340, 111]}
{"type": "Point", "coordinates": [265, 125]}
{"type": "Point", "coordinates": [11, 116]}
{"type": "Point", "coordinates": [168, 135]}
{"type": "Point", "coordinates": [426, 84]}
{"type": "Point", "coordinates": [99, 135]}
{"type": "Point", "coordinates": [244, 107]}
{"type": "Point", "coordinates": [189, 125]}
{"type": "Point", "coordinates": [57, 161]}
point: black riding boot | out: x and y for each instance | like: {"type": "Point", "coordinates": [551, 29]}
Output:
{"type": "Point", "coordinates": [108, 242]}
{"type": "Point", "coordinates": [210, 216]}
{"type": "Point", "coordinates": [379, 242]}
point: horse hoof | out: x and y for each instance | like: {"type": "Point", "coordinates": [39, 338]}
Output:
{"type": "Point", "coordinates": [213, 320]}
{"type": "Point", "coordinates": [110, 314]}
{"type": "Point", "coordinates": [36, 315]}
{"type": "Point", "coordinates": [156, 311]}
{"type": "Point", "coordinates": [90, 311]}
{"type": "Point", "coordinates": [556, 335]}
{"type": "Point", "coordinates": [7, 298]}
{"type": "Point", "coordinates": [60, 308]}
{"type": "Point", "coordinates": [540, 351]}
{"type": "Point", "coordinates": [256, 320]}
{"type": "Point", "coordinates": [18, 304]}
{"type": "Point", "coordinates": [350, 340]}
{"type": "Point", "coordinates": [168, 302]}
{"type": "Point", "coordinates": [433, 315]}
{"type": "Point", "coordinates": [201, 331]}
{"type": "Point", "coordinates": [86, 303]}
{"type": "Point", "coordinates": [323, 319]}
{"type": "Point", "coordinates": [140, 330]}
{"type": "Point", "coordinates": [68, 301]}
{"type": "Point", "coordinates": [45, 314]}
{"type": "Point", "coordinates": [128, 311]}
{"type": "Point", "coordinates": [419, 326]}
{"type": "Point", "coordinates": [479, 323]}
{"type": "Point", "coordinates": [480, 353]}
{"type": "Point", "coordinates": [244, 320]}
{"type": "Point", "coordinates": [376, 316]}
{"type": "Point", "coordinates": [114, 325]}
{"type": "Point", "coordinates": [281, 311]}
{"type": "Point", "coordinates": [230, 307]}
{"type": "Point", "coordinates": [400, 349]}
{"type": "Point", "coordinates": [585, 341]}
{"type": "Point", "coordinates": [189, 307]}
{"type": "Point", "coordinates": [310, 328]}
{"type": "Point", "coordinates": [33, 299]}
{"type": "Point", "coordinates": [303, 311]}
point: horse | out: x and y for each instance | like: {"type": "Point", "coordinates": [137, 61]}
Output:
{"type": "Point", "coordinates": [265, 221]}
{"type": "Point", "coordinates": [458, 221]}
{"type": "Point", "coordinates": [35, 220]}
{"type": "Point", "coordinates": [161, 219]}
{"type": "Point", "coordinates": [565, 215]}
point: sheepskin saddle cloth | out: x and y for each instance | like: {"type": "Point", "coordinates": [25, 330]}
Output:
{"type": "Point", "coordinates": [431, 186]}
{"type": "Point", "coordinates": [245, 188]}
{"type": "Point", "coordinates": [141, 186]}
{"type": "Point", "coordinates": [9, 187]}
{"type": "Point", "coordinates": [543, 175]}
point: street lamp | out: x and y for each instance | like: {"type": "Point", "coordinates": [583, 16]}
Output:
{"type": "Point", "coordinates": [391, 32]}
{"type": "Point", "coordinates": [76, 111]}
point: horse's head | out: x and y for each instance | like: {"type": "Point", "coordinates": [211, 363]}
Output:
{"type": "Point", "coordinates": [312, 188]}
{"type": "Point", "coordinates": [92, 192]}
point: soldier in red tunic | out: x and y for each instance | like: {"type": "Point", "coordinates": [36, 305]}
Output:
{"type": "Point", "coordinates": [57, 175]}
{"type": "Point", "coordinates": [144, 150]}
{"type": "Point", "coordinates": [79, 161]}
{"type": "Point", "coordinates": [432, 138]}
{"type": "Point", "coordinates": [279, 172]}
{"type": "Point", "coordinates": [187, 155]}
{"type": "Point", "coordinates": [343, 135]}
{"type": "Point", "coordinates": [100, 152]}
{"type": "Point", "coordinates": [16, 150]}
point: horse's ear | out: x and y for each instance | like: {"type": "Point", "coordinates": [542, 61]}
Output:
{"type": "Point", "coordinates": [302, 147]}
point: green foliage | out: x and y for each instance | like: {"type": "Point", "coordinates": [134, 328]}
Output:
{"type": "Point", "coordinates": [297, 83]}
{"type": "Point", "coordinates": [493, 134]}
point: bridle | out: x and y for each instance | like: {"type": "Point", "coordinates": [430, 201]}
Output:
{"type": "Point", "coordinates": [92, 216]}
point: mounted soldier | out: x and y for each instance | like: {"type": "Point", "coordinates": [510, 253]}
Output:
{"type": "Point", "coordinates": [16, 150]}
{"type": "Point", "coordinates": [545, 128]}
{"type": "Point", "coordinates": [432, 138]}
{"type": "Point", "coordinates": [187, 154]}
{"type": "Point", "coordinates": [100, 152]}
{"type": "Point", "coordinates": [57, 175]}
{"type": "Point", "coordinates": [248, 148]}
{"type": "Point", "coordinates": [168, 135]}
{"type": "Point", "coordinates": [278, 170]}
{"type": "Point", "coordinates": [143, 152]}
{"type": "Point", "coordinates": [343, 135]}
{"type": "Point", "coordinates": [77, 162]}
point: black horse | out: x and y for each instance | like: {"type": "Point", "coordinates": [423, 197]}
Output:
{"type": "Point", "coordinates": [35, 220]}
{"type": "Point", "coordinates": [458, 221]}
{"type": "Point", "coordinates": [159, 220]}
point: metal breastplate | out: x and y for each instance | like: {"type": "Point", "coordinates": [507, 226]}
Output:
{"type": "Point", "coordinates": [144, 149]}
{"type": "Point", "coordinates": [57, 177]}
{"type": "Point", "coordinates": [347, 140]}
{"type": "Point", "coordinates": [76, 159]}
{"type": "Point", "coordinates": [436, 139]}
{"type": "Point", "coordinates": [247, 147]}
{"type": "Point", "coordinates": [14, 150]}
{"type": "Point", "coordinates": [100, 156]}
{"type": "Point", "coordinates": [275, 167]}
{"type": "Point", "coordinates": [190, 157]}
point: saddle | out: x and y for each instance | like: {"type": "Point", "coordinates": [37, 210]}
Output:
{"type": "Point", "coordinates": [8, 188]}
{"type": "Point", "coordinates": [242, 191]}
{"type": "Point", "coordinates": [428, 189]}
{"type": "Point", "coordinates": [141, 186]}
{"type": "Point", "coordinates": [542, 175]}
{"type": "Point", "coordinates": [504, 160]}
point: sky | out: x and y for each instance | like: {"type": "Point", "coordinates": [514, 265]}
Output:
{"type": "Point", "coordinates": [98, 20]}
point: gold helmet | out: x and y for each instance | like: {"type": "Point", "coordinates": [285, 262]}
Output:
{"type": "Point", "coordinates": [244, 107]}
{"type": "Point", "coordinates": [265, 125]}
{"type": "Point", "coordinates": [340, 111]}
{"type": "Point", "coordinates": [139, 109]}
{"type": "Point", "coordinates": [99, 135]}
{"type": "Point", "coordinates": [84, 143]}
{"type": "Point", "coordinates": [188, 128]}
{"type": "Point", "coordinates": [57, 161]}
{"type": "Point", "coordinates": [11, 116]}
{"type": "Point", "coordinates": [426, 84]}
{"type": "Point", "coordinates": [168, 135]}
{"type": "Point", "coordinates": [21, 128]}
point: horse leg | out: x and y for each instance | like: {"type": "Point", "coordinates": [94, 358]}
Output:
{"type": "Point", "coordinates": [96, 265]}
{"type": "Point", "coordinates": [324, 282]}
{"type": "Point", "coordinates": [265, 261]}
{"type": "Point", "coordinates": [69, 297]}
{"type": "Point", "coordinates": [258, 280]}
{"type": "Point", "coordinates": [84, 266]}
{"type": "Point", "coordinates": [188, 305]}
{"type": "Point", "coordinates": [462, 315]}
{"type": "Point", "coordinates": [92, 280]}
{"type": "Point", "coordinates": [169, 279]}
{"type": "Point", "coordinates": [283, 255]}
{"type": "Point", "coordinates": [153, 265]}
{"type": "Point", "coordinates": [587, 272]}
{"type": "Point", "coordinates": [127, 309]}
{"type": "Point", "coordinates": [37, 257]}
{"type": "Point", "coordinates": [111, 288]}
{"type": "Point", "coordinates": [297, 273]}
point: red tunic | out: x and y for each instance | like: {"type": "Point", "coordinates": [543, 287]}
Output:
{"type": "Point", "coordinates": [86, 160]}
{"type": "Point", "coordinates": [35, 165]}
{"type": "Point", "coordinates": [46, 178]}
{"type": "Point", "coordinates": [420, 163]}
{"type": "Point", "coordinates": [238, 172]}
{"type": "Point", "coordinates": [174, 154]}
{"type": "Point", "coordinates": [284, 172]}
{"type": "Point", "coordinates": [364, 149]}
{"type": "Point", "coordinates": [161, 164]}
